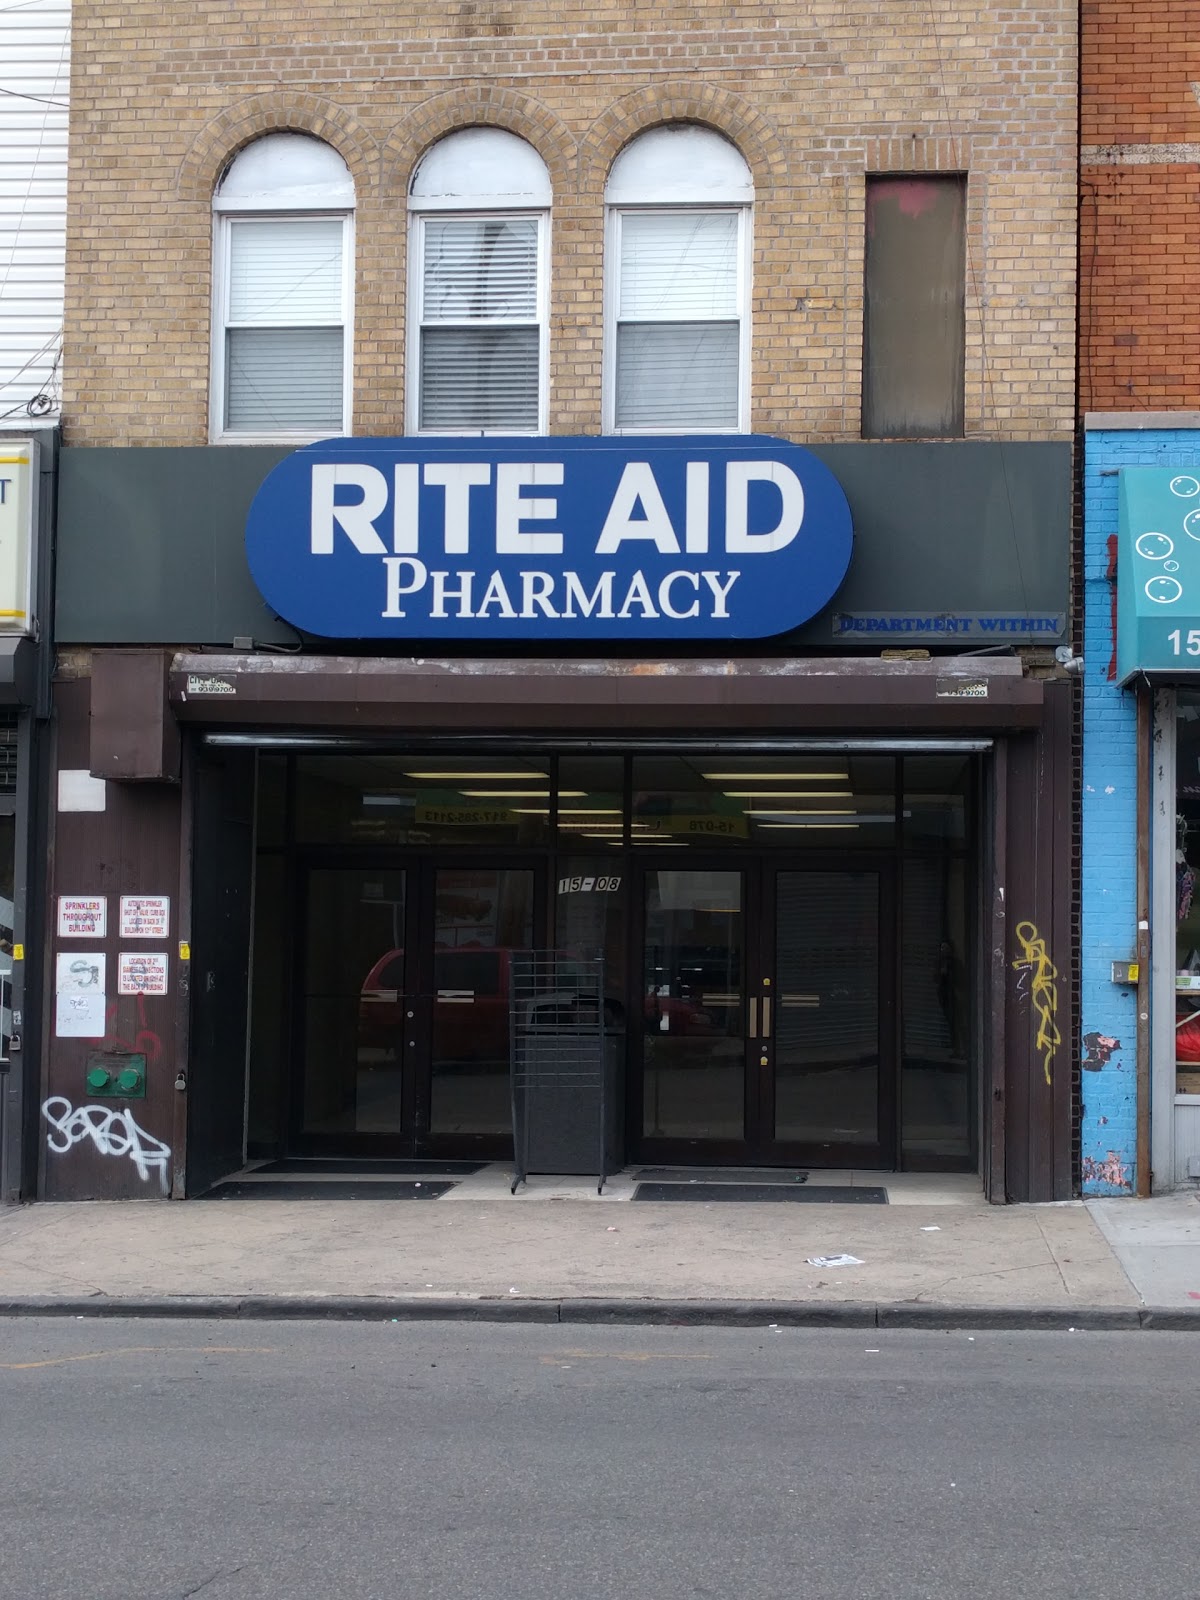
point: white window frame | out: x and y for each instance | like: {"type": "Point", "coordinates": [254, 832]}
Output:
{"type": "Point", "coordinates": [612, 303]}
{"type": "Point", "coordinates": [423, 211]}
{"type": "Point", "coordinates": [224, 222]}
{"type": "Point", "coordinates": [224, 218]}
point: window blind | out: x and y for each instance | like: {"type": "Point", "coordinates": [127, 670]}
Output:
{"type": "Point", "coordinates": [283, 378]}
{"type": "Point", "coordinates": [679, 265]}
{"type": "Point", "coordinates": [480, 269]}
{"type": "Point", "coordinates": [480, 366]}
{"type": "Point", "coordinates": [285, 271]}
{"type": "Point", "coordinates": [677, 374]}
{"type": "Point", "coordinates": [480, 378]}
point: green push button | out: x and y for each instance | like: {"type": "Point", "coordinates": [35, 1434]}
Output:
{"type": "Point", "coordinates": [98, 1079]}
{"type": "Point", "coordinates": [129, 1080]}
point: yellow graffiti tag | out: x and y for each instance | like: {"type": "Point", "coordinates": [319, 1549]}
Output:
{"type": "Point", "coordinates": [1035, 959]}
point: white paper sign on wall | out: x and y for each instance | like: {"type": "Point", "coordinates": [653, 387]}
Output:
{"type": "Point", "coordinates": [79, 997]}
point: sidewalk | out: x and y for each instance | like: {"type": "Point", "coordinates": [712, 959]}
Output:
{"type": "Point", "coordinates": [937, 1250]}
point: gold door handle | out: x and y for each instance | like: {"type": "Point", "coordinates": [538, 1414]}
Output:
{"type": "Point", "coordinates": [766, 1026]}
{"type": "Point", "coordinates": [753, 1034]}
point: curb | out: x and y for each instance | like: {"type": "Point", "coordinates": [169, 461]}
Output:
{"type": "Point", "coordinates": [670, 1313]}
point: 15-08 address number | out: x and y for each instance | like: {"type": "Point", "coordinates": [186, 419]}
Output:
{"type": "Point", "coordinates": [1192, 646]}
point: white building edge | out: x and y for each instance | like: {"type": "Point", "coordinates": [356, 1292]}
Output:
{"type": "Point", "coordinates": [34, 82]}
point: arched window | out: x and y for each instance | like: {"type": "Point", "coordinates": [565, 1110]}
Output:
{"type": "Point", "coordinates": [480, 204]}
{"type": "Point", "coordinates": [677, 323]}
{"type": "Point", "coordinates": [284, 276]}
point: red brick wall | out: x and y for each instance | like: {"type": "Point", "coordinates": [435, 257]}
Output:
{"type": "Point", "coordinates": [1139, 292]}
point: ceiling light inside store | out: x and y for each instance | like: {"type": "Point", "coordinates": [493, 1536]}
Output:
{"type": "Point", "coordinates": [457, 777]}
{"type": "Point", "coordinates": [776, 777]}
{"type": "Point", "coordinates": [789, 794]}
{"type": "Point", "coordinates": [521, 794]}
{"type": "Point", "coordinates": [826, 811]}
{"type": "Point", "coordinates": [825, 825]}
{"type": "Point", "coordinates": [572, 811]}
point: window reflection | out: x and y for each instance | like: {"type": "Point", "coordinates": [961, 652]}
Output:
{"type": "Point", "coordinates": [589, 917]}
{"type": "Point", "coordinates": [694, 1051]}
{"type": "Point", "coordinates": [352, 1017]}
{"type": "Point", "coordinates": [591, 802]}
{"type": "Point", "coordinates": [480, 915]}
{"type": "Point", "coordinates": [792, 802]}
{"type": "Point", "coordinates": [422, 800]}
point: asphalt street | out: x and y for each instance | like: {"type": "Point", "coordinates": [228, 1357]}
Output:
{"type": "Point", "coordinates": [160, 1460]}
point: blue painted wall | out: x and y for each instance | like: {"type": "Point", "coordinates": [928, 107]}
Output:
{"type": "Point", "coordinates": [1109, 817]}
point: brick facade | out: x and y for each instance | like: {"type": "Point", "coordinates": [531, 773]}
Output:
{"type": "Point", "coordinates": [1139, 196]}
{"type": "Point", "coordinates": [1139, 352]}
{"type": "Point", "coordinates": [1108, 1131]}
{"type": "Point", "coordinates": [164, 94]}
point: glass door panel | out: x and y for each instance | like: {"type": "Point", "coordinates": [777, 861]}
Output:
{"type": "Point", "coordinates": [480, 915]}
{"type": "Point", "coordinates": [936, 1084]}
{"type": "Point", "coordinates": [693, 1010]}
{"type": "Point", "coordinates": [351, 1007]}
{"type": "Point", "coordinates": [826, 1039]}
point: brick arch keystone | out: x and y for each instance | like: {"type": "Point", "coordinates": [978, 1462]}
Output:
{"type": "Point", "coordinates": [684, 100]}
{"type": "Point", "coordinates": [278, 111]}
{"type": "Point", "coordinates": [474, 106]}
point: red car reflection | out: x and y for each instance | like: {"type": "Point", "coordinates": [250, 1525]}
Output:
{"type": "Point", "coordinates": [471, 1010]}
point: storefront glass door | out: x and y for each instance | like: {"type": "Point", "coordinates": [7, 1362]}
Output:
{"type": "Point", "coordinates": [350, 1023]}
{"type": "Point", "coordinates": [480, 915]}
{"type": "Point", "coordinates": [403, 1020]}
{"type": "Point", "coordinates": [694, 1005]}
{"type": "Point", "coordinates": [768, 1014]}
{"type": "Point", "coordinates": [788, 945]}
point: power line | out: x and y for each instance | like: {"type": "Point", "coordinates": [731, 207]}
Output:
{"type": "Point", "coordinates": [16, 94]}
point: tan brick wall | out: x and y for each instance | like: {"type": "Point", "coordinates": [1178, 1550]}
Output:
{"type": "Point", "coordinates": [816, 96]}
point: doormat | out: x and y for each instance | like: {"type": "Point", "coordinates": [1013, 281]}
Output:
{"type": "Point", "coordinates": [349, 1167]}
{"type": "Point", "coordinates": [826, 1194]}
{"type": "Point", "coordinates": [690, 1175]}
{"type": "Point", "coordinates": [330, 1189]}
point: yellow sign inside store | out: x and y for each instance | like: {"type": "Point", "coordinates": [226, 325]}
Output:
{"type": "Point", "coordinates": [462, 816]}
{"type": "Point", "coordinates": [695, 825]}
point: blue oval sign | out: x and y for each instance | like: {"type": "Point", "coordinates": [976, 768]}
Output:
{"type": "Point", "coordinates": [673, 539]}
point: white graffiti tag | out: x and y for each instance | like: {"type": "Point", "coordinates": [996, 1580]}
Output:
{"type": "Point", "coordinates": [114, 1133]}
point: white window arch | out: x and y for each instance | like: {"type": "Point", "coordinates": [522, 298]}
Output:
{"type": "Point", "coordinates": [282, 292]}
{"type": "Point", "coordinates": [677, 285]}
{"type": "Point", "coordinates": [478, 294]}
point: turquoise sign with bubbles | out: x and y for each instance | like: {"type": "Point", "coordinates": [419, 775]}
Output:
{"type": "Point", "coordinates": [1158, 572]}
